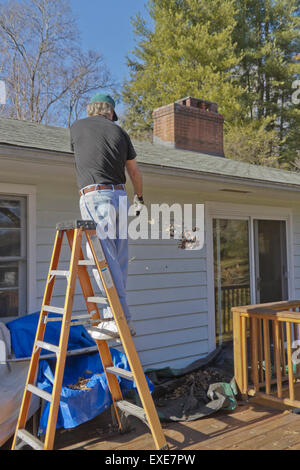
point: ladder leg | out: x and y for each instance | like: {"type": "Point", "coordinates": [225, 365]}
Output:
{"type": "Point", "coordinates": [63, 343]}
{"type": "Point", "coordinates": [129, 348]}
{"type": "Point", "coordinates": [104, 352]}
{"type": "Point", "coordinates": [33, 366]}
{"type": "Point", "coordinates": [142, 386]}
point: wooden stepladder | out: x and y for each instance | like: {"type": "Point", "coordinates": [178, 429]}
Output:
{"type": "Point", "coordinates": [74, 231]}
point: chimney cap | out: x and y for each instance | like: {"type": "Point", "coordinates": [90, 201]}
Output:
{"type": "Point", "coordinates": [199, 103]}
{"type": "Point", "coordinates": [195, 99]}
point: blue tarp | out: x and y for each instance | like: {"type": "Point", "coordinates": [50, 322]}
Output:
{"type": "Point", "coordinates": [23, 330]}
{"type": "Point", "coordinates": [76, 406]}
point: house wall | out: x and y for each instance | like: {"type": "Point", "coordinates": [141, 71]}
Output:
{"type": "Point", "coordinates": [167, 287]}
{"type": "Point", "coordinates": [190, 331]}
{"type": "Point", "coordinates": [167, 293]}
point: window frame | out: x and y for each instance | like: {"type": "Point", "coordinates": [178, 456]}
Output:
{"type": "Point", "coordinates": [28, 192]}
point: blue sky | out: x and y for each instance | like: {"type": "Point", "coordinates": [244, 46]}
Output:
{"type": "Point", "coordinates": [105, 26]}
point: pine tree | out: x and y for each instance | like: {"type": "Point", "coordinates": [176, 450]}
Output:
{"type": "Point", "coordinates": [267, 36]}
{"type": "Point", "coordinates": [251, 142]}
{"type": "Point", "coordinates": [242, 54]}
{"type": "Point", "coordinates": [189, 52]}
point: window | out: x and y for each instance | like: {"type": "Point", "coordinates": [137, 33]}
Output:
{"type": "Point", "coordinates": [13, 256]}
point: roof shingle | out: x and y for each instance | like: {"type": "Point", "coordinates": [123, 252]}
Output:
{"type": "Point", "coordinates": [37, 136]}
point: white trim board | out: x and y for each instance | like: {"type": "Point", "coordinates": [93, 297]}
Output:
{"type": "Point", "coordinates": [244, 212]}
{"type": "Point", "coordinates": [30, 192]}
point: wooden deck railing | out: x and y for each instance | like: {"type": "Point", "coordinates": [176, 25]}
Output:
{"type": "Point", "coordinates": [265, 354]}
{"type": "Point", "coordinates": [231, 296]}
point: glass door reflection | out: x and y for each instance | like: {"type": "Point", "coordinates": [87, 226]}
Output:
{"type": "Point", "coordinates": [231, 272]}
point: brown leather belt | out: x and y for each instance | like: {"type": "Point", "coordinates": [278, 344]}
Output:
{"type": "Point", "coordinates": [99, 187]}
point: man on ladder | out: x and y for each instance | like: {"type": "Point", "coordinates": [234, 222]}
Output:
{"type": "Point", "coordinates": [102, 151]}
{"type": "Point", "coordinates": [101, 182]}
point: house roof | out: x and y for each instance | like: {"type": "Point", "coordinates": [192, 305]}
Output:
{"type": "Point", "coordinates": [31, 135]}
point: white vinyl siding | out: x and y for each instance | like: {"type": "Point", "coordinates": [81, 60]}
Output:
{"type": "Point", "coordinates": [55, 203]}
{"type": "Point", "coordinates": [167, 295]}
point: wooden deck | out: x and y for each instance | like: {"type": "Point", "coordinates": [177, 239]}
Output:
{"type": "Point", "coordinates": [250, 427]}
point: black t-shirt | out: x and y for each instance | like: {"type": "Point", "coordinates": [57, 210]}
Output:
{"type": "Point", "coordinates": [101, 149]}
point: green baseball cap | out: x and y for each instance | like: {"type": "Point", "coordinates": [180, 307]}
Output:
{"type": "Point", "coordinates": [107, 99]}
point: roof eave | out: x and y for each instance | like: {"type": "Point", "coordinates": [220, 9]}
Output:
{"type": "Point", "coordinates": [7, 151]}
{"type": "Point", "coordinates": [216, 177]}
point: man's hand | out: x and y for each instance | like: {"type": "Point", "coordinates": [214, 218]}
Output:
{"type": "Point", "coordinates": [138, 203]}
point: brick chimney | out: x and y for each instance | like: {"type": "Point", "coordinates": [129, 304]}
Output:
{"type": "Point", "coordinates": [190, 124]}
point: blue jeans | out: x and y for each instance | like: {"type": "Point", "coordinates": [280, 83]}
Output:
{"type": "Point", "coordinates": [108, 209]}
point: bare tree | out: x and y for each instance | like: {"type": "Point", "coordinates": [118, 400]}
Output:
{"type": "Point", "coordinates": [91, 75]}
{"type": "Point", "coordinates": [47, 74]}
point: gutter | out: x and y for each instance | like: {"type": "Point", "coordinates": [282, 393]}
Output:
{"type": "Point", "coordinates": [48, 157]}
{"type": "Point", "coordinates": [216, 177]}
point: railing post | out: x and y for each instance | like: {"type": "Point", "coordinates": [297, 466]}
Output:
{"type": "Point", "coordinates": [277, 359]}
{"type": "Point", "coordinates": [282, 348]}
{"type": "Point", "coordinates": [254, 352]}
{"type": "Point", "coordinates": [290, 363]}
{"type": "Point", "coordinates": [237, 352]}
{"type": "Point", "coordinates": [267, 355]}
{"type": "Point", "coordinates": [244, 354]}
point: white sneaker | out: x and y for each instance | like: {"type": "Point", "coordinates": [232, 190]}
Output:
{"type": "Point", "coordinates": [107, 330]}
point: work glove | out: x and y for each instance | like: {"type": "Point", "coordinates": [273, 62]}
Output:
{"type": "Point", "coordinates": [138, 203]}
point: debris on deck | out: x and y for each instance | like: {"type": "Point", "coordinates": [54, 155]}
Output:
{"type": "Point", "coordinates": [193, 394]}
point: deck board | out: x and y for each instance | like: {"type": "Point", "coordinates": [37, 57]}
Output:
{"type": "Point", "coordinates": [251, 426]}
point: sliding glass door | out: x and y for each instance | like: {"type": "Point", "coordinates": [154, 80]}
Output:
{"type": "Point", "coordinates": [270, 260]}
{"type": "Point", "coordinates": [250, 266]}
{"type": "Point", "coordinates": [231, 271]}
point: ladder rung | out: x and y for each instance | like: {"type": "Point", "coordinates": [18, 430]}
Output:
{"type": "Point", "coordinates": [31, 440]}
{"type": "Point", "coordinates": [126, 374]}
{"type": "Point", "coordinates": [86, 262]}
{"type": "Point", "coordinates": [98, 300]}
{"type": "Point", "coordinates": [72, 352]}
{"type": "Point", "coordinates": [83, 322]}
{"type": "Point", "coordinates": [54, 319]}
{"type": "Point", "coordinates": [74, 317]}
{"type": "Point", "coordinates": [131, 409]}
{"type": "Point", "coordinates": [78, 223]}
{"type": "Point", "coordinates": [59, 273]}
{"type": "Point", "coordinates": [39, 392]}
{"type": "Point", "coordinates": [81, 317]}
{"type": "Point", "coordinates": [48, 346]}
{"type": "Point", "coordinates": [48, 308]}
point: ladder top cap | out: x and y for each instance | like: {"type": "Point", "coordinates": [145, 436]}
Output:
{"type": "Point", "coordinates": [72, 224]}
